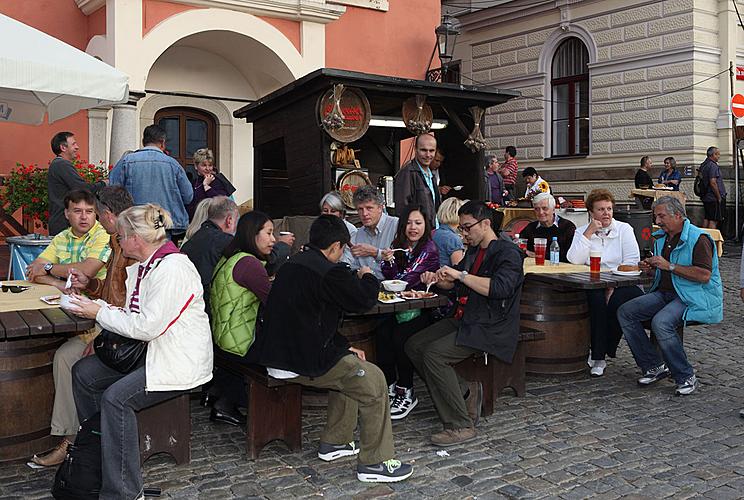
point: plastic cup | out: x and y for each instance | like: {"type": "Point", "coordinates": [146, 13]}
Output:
{"type": "Point", "coordinates": [522, 242]}
{"type": "Point", "coordinates": [541, 245]}
{"type": "Point", "coordinates": [595, 261]}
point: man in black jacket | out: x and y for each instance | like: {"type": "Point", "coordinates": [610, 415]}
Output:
{"type": "Point", "coordinates": [63, 178]}
{"type": "Point", "coordinates": [299, 341]}
{"type": "Point", "coordinates": [489, 281]}
{"type": "Point", "coordinates": [205, 246]}
{"type": "Point", "coordinates": [415, 183]}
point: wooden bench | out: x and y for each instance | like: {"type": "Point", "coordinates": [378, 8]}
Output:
{"type": "Point", "coordinates": [274, 406]}
{"type": "Point", "coordinates": [495, 375]}
{"type": "Point", "coordinates": [166, 428]}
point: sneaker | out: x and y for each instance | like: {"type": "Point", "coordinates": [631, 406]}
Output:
{"type": "Point", "coordinates": [54, 457]}
{"type": "Point", "coordinates": [391, 391]}
{"type": "Point", "coordinates": [402, 403]}
{"type": "Point", "coordinates": [590, 361]}
{"type": "Point", "coordinates": [474, 401]}
{"type": "Point", "coordinates": [654, 375]}
{"type": "Point", "coordinates": [389, 471]}
{"type": "Point", "coordinates": [598, 368]}
{"type": "Point", "coordinates": [451, 437]}
{"type": "Point", "coordinates": [329, 452]}
{"type": "Point", "coordinates": [686, 387]}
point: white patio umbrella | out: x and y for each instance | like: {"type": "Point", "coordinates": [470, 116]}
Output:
{"type": "Point", "coordinates": [39, 74]}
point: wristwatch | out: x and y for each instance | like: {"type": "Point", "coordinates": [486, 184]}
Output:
{"type": "Point", "coordinates": [671, 267]}
{"type": "Point", "coordinates": [48, 267]}
{"type": "Point", "coordinates": [462, 275]}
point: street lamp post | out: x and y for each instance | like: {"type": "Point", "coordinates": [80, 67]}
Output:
{"type": "Point", "coordinates": [447, 33]}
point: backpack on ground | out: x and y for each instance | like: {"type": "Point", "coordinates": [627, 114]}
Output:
{"type": "Point", "coordinates": [699, 186]}
{"type": "Point", "coordinates": [79, 476]}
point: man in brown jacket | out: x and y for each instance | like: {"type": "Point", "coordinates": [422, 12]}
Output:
{"type": "Point", "coordinates": [110, 201]}
{"type": "Point", "coordinates": [415, 184]}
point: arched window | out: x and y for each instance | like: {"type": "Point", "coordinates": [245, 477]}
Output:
{"type": "Point", "coordinates": [187, 130]}
{"type": "Point", "coordinates": [570, 96]}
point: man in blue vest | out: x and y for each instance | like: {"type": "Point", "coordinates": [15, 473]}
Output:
{"type": "Point", "coordinates": [687, 287]}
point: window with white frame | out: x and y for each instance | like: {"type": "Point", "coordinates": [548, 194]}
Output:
{"type": "Point", "coordinates": [570, 99]}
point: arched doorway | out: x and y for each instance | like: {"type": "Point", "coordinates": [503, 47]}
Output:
{"type": "Point", "coordinates": [187, 129]}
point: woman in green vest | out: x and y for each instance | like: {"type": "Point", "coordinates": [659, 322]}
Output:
{"type": "Point", "coordinates": [240, 284]}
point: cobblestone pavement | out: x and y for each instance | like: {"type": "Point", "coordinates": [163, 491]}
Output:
{"type": "Point", "coordinates": [571, 437]}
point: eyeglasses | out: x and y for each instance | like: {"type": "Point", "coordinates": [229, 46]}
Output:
{"type": "Point", "coordinates": [14, 288]}
{"type": "Point", "coordinates": [467, 227]}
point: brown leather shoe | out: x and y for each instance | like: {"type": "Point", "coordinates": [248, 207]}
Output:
{"type": "Point", "coordinates": [451, 437]}
{"type": "Point", "coordinates": [474, 401]}
{"type": "Point", "coordinates": [54, 457]}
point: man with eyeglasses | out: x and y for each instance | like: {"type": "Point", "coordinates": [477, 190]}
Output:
{"type": "Point", "coordinates": [488, 281]}
{"type": "Point", "coordinates": [81, 252]}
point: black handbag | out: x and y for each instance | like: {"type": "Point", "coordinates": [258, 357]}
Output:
{"type": "Point", "coordinates": [123, 354]}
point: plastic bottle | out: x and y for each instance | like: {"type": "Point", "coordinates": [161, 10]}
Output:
{"type": "Point", "coordinates": [555, 252]}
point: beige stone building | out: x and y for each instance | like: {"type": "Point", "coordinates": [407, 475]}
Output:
{"type": "Point", "coordinates": [605, 82]}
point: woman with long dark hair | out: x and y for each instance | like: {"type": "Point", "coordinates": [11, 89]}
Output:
{"type": "Point", "coordinates": [240, 284]}
{"type": "Point", "coordinates": [421, 255]}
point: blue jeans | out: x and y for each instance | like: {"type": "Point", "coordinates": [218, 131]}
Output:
{"type": "Point", "coordinates": [665, 310]}
{"type": "Point", "coordinates": [117, 396]}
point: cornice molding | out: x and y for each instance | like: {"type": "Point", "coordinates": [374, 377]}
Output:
{"type": "Point", "coordinates": [90, 6]}
{"type": "Point", "coordinates": [318, 11]}
{"type": "Point", "coordinates": [382, 5]}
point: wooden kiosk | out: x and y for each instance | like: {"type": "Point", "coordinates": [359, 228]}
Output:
{"type": "Point", "coordinates": [295, 156]}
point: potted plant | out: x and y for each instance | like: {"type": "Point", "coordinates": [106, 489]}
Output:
{"type": "Point", "coordinates": [26, 188]}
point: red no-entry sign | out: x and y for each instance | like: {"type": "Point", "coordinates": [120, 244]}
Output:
{"type": "Point", "coordinates": [737, 105]}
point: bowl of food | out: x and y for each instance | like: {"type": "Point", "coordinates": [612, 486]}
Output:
{"type": "Point", "coordinates": [394, 285]}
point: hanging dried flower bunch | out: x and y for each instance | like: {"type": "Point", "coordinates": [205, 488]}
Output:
{"type": "Point", "coordinates": [475, 141]}
{"type": "Point", "coordinates": [335, 119]}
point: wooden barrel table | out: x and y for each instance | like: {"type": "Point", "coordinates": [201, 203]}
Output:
{"type": "Point", "coordinates": [28, 341]}
{"type": "Point", "coordinates": [563, 315]}
{"type": "Point", "coordinates": [360, 332]}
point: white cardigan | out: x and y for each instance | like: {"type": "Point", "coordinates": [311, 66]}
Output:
{"type": "Point", "coordinates": [172, 319]}
{"type": "Point", "coordinates": [619, 247]}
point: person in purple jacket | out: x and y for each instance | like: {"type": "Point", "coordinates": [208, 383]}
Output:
{"type": "Point", "coordinates": [208, 181]}
{"type": "Point", "coordinates": [414, 234]}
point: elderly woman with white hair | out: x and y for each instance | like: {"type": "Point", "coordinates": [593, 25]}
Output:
{"type": "Point", "coordinates": [332, 204]}
{"type": "Point", "coordinates": [548, 225]}
{"type": "Point", "coordinates": [164, 308]}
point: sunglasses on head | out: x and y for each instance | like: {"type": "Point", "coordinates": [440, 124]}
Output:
{"type": "Point", "coordinates": [14, 288]}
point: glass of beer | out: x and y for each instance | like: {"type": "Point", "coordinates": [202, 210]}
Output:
{"type": "Point", "coordinates": [595, 261]}
{"type": "Point", "coordinates": [540, 245]}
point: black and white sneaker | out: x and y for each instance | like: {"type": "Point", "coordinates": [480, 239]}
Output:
{"type": "Point", "coordinates": [402, 403]}
{"type": "Point", "coordinates": [391, 391]}
{"type": "Point", "coordinates": [329, 452]}
{"type": "Point", "coordinates": [687, 387]}
{"type": "Point", "coordinates": [654, 375]}
{"type": "Point", "coordinates": [389, 471]}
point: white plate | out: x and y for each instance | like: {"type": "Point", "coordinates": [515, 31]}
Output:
{"type": "Point", "coordinates": [626, 273]}
{"type": "Point", "coordinates": [391, 301]}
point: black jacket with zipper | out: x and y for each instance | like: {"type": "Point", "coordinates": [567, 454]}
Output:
{"type": "Point", "coordinates": [299, 328]}
{"type": "Point", "coordinates": [491, 323]}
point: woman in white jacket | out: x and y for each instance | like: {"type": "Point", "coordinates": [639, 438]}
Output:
{"type": "Point", "coordinates": [165, 308]}
{"type": "Point", "coordinates": [617, 244]}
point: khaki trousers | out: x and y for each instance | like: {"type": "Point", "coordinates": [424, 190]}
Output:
{"type": "Point", "coordinates": [433, 352]}
{"type": "Point", "coordinates": [356, 388]}
{"type": "Point", "coordinates": [64, 415]}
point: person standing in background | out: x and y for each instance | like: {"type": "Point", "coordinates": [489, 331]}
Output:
{"type": "Point", "coordinates": [670, 176]}
{"type": "Point", "coordinates": [151, 176]}
{"type": "Point", "coordinates": [414, 182]}
{"type": "Point", "coordinates": [495, 187]}
{"type": "Point", "coordinates": [642, 177]}
{"type": "Point", "coordinates": [509, 170]}
{"type": "Point", "coordinates": [63, 178]}
{"type": "Point", "coordinates": [714, 196]}
{"type": "Point", "coordinates": [436, 165]}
